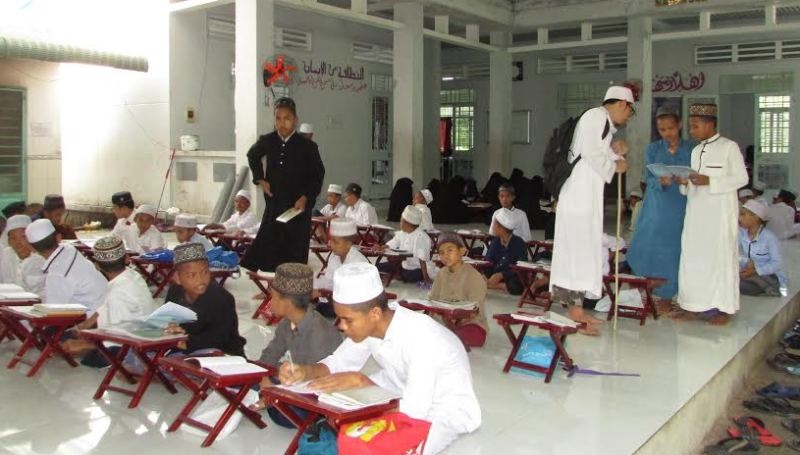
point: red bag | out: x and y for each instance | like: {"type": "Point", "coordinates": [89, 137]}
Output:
{"type": "Point", "coordinates": [393, 433]}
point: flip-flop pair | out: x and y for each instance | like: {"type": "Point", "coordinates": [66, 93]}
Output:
{"type": "Point", "coordinates": [774, 406]}
{"type": "Point", "coordinates": [776, 390]}
{"type": "Point", "coordinates": [754, 427]}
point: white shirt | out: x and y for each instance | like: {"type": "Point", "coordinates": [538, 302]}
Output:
{"type": "Point", "coordinates": [708, 274]}
{"type": "Point", "coordinates": [240, 221]}
{"type": "Point", "coordinates": [253, 230]}
{"type": "Point", "coordinates": [523, 229]}
{"type": "Point", "coordinates": [26, 273]}
{"type": "Point", "coordinates": [362, 213]}
{"type": "Point", "coordinates": [201, 239]}
{"type": "Point", "coordinates": [781, 220]}
{"type": "Point", "coordinates": [71, 278]}
{"type": "Point", "coordinates": [417, 243]}
{"type": "Point", "coordinates": [334, 262]}
{"type": "Point", "coordinates": [427, 218]}
{"type": "Point", "coordinates": [127, 299]}
{"type": "Point", "coordinates": [339, 211]}
{"type": "Point", "coordinates": [424, 361]}
{"type": "Point", "coordinates": [151, 240]}
{"type": "Point", "coordinates": [126, 230]}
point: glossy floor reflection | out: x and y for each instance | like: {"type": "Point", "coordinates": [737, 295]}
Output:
{"type": "Point", "coordinates": [54, 413]}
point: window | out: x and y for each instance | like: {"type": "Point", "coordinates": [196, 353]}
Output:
{"type": "Point", "coordinates": [12, 144]}
{"type": "Point", "coordinates": [459, 105]}
{"type": "Point", "coordinates": [773, 117]}
{"type": "Point", "coordinates": [575, 98]}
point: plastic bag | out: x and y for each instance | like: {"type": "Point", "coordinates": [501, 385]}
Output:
{"type": "Point", "coordinates": [158, 256]}
{"type": "Point", "coordinates": [222, 259]}
{"type": "Point", "coordinates": [538, 351]}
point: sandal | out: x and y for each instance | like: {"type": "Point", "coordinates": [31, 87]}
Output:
{"type": "Point", "coordinates": [774, 406]}
{"type": "Point", "coordinates": [756, 425]}
{"type": "Point", "coordinates": [776, 390]}
{"type": "Point", "coordinates": [258, 406]}
{"type": "Point", "coordinates": [733, 445]}
{"type": "Point", "coordinates": [792, 425]}
{"type": "Point", "coordinates": [781, 361]}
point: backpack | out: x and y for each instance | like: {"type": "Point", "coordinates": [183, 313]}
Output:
{"type": "Point", "coordinates": [555, 163]}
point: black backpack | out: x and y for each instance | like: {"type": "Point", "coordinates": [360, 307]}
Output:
{"type": "Point", "coordinates": [555, 163]}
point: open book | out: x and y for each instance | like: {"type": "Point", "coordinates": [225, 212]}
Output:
{"type": "Point", "coordinates": [361, 397]}
{"type": "Point", "coordinates": [170, 313]}
{"type": "Point", "coordinates": [548, 317]}
{"type": "Point", "coordinates": [227, 365]}
{"type": "Point", "coordinates": [663, 170]}
{"type": "Point", "coordinates": [16, 293]}
{"type": "Point", "coordinates": [286, 216]}
{"type": "Point", "coordinates": [139, 329]}
{"type": "Point", "coordinates": [60, 309]}
{"type": "Point", "coordinates": [445, 303]}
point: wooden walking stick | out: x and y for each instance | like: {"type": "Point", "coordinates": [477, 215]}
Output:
{"type": "Point", "coordinates": [616, 253]}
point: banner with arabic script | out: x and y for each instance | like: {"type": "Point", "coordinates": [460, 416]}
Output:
{"type": "Point", "coordinates": [323, 75]}
{"type": "Point", "coordinates": [676, 82]}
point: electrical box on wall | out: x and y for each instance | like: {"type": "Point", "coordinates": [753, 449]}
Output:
{"type": "Point", "coordinates": [190, 115]}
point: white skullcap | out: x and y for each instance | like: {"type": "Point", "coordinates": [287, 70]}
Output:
{"type": "Point", "coordinates": [759, 208]}
{"type": "Point", "coordinates": [616, 92]}
{"type": "Point", "coordinates": [147, 209]}
{"type": "Point", "coordinates": [343, 227]}
{"type": "Point", "coordinates": [17, 222]}
{"type": "Point", "coordinates": [39, 230]}
{"type": "Point", "coordinates": [243, 193]}
{"type": "Point", "coordinates": [412, 215]}
{"type": "Point", "coordinates": [306, 128]}
{"type": "Point", "coordinates": [427, 195]}
{"type": "Point", "coordinates": [746, 192]}
{"type": "Point", "coordinates": [186, 221]}
{"type": "Point", "coordinates": [334, 188]}
{"type": "Point", "coordinates": [506, 219]}
{"type": "Point", "coordinates": [357, 282]}
{"type": "Point", "coordinates": [759, 186]}
{"type": "Point", "coordinates": [636, 193]}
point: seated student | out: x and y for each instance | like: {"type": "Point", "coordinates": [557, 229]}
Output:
{"type": "Point", "coordinates": [20, 264]}
{"type": "Point", "coordinates": [186, 231]}
{"type": "Point", "coordinates": [745, 194]}
{"type": "Point", "coordinates": [123, 205]}
{"type": "Point", "coordinates": [54, 209]}
{"type": "Point", "coordinates": [413, 239]}
{"type": "Point", "coordinates": [506, 196]}
{"type": "Point", "coordinates": [436, 388]}
{"type": "Point", "coordinates": [303, 334]}
{"type": "Point", "coordinates": [69, 276]}
{"type": "Point", "coordinates": [358, 209]}
{"type": "Point", "coordinates": [342, 241]}
{"type": "Point", "coordinates": [460, 281]}
{"type": "Point", "coordinates": [758, 191]}
{"type": "Point", "coordinates": [241, 220]}
{"type": "Point", "coordinates": [147, 237]}
{"type": "Point", "coordinates": [217, 325]}
{"type": "Point", "coordinates": [760, 270]}
{"type": "Point", "coordinates": [635, 204]}
{"type": "Point", "coordinates": [335, 208]}
{"type": "Point", "coordinates": [127, 298]}
{"type": "Point", "coordinates": [505, 250]}
{"type": "Point", "coordinates": [781, 215]}
{"type": "Point", "coordinates": [421, 200]}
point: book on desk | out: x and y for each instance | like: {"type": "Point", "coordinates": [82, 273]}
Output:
{"type": "Point", "coordinates": [227, 365]}
{"type": "Point", "coordinates": [60, 309]}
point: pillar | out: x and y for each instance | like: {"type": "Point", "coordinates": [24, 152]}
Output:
{"type": "Point", "coordinates": [500, 104]}
{"type": "Point", "coordinates": [640, 66]}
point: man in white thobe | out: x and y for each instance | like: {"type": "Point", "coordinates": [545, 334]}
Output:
{"type": "Point", "coordinates": [19, 264]}
{"type": "Point", "coordinates": [436, 388]}
{"type": "Point", "coordinates": [708, 276]}
{"type": "Point", "coordinates": [577, 245]}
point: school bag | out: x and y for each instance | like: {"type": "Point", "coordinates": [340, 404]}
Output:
{"type": "Point", "coordinates": [393, 433]}
{"type": "Point", "coordinates": [555, 162]}
{"type": "Point", "coordinates": [318, 439]}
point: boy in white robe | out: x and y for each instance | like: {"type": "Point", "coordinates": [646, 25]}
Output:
{"type": "Point", "coordinates": [241, 220]}
{"type": "Point", "coordinates": [781, 215]}
{"type": "Point", "coordinates": [147, 237]}
{"type": "Point", "coordinates": [186, 231]}
{"type": "Point", "coordinates": [125, 227]}
{"type": "Point", "coordinates": [506, 195]}
{"type": "Point", "coordinates": [20, 264]}
{"type": "Point", "coordinates": [412, 239]}
{"type": "Point", "coordinates": [437, 388]}
{"type": "Point", "coordinates": [335, 208]}
{"type": "Point", "coordinates": [358, 209]}
{"type": "Point", "coordinates": [343, 241]}
{"type": "Point", "coordinates": [708, 276]}
{"type": "Point", "coordinates": [421, 200]}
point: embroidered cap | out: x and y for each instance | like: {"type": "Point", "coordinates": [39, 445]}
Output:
{"type": "Point", "coordinates": [616, 92]}
{"type": "Point", "coordinates": [746, 192]}
{"type": "Point", "coordinates": [146, 209]}
{"type": "Point", "coordinates": [243, 193]}
{"type": "Point", "coordinates": [412, 215]}
{"type": "Point", "coordinates": [506, 219]}
{"type": "Point", "coordinates": [109, 249]}
{"type": "Point", "coordinates": [356, 283]}
{"type": "Point", "coordinates": [450, 237]}
{"type": "Point", "coordinates": [186, 221]}
{"type": "Point", "coordinates": [426, 193]}
{"type": "Point", "coordinates": [54, 202]}
{"type": "Point", "coordinates": [703, 110]}
{"type": "Point", "coordinates": [334, 188]}
{"type": "Point", "coordinates": [759, 208]}
{"type": "Point", "coordinates": [122, 198]}
{"type": "Point", "coordinates": [189, 252]}
{"type": "Point", "coordinates": [293, 278]}
{"type": "Point", "coordinates": [306, 128]}
{"type": "Point", "coordinates": [343, 227]}
{"type": "Point", "coordinates": [39, 230]}
{"type": "Point", "coordinates": [14, 208]}
{"type": "Point", "coordinates": [17, 222]}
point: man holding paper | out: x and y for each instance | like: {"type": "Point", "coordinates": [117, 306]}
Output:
{"type": "Point", "coordinates": [708, 277]}
{"type": "Point", "coordinates": [292, 180]}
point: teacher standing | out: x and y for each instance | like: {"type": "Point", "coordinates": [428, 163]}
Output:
{"type": "Point", "coordinates": [293, 178]}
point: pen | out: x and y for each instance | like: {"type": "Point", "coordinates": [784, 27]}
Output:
{"type": "Point", "coordinates": [289, 358]}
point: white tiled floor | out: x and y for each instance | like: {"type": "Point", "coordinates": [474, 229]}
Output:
{"type": "Point", "coordinates": [54, 412]}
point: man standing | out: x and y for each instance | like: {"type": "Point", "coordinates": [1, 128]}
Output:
{"type": "Point", "coordinates": [708, 277]}
{"type": "Point", "coordinates": [577, 253]}
{"type": "Point", "coordinates": [293, 179]}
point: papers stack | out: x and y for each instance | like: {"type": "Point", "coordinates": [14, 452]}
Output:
{"type": "Point", "coordinates": [60, 309]}
{"type": "Point", "coordinates": [170, 313]}
{"type": "Point", "coordinates": [546, 318]}
{"type": "Point", "coordinates": [227, 365]}
{"type": "Point", "coordinates": [139, 329]}
{"type": "Point", "coordinates": [534, 265]}
{"type": "Point", "coordinates": [663, 170]}
{"type": "Point", "coordinates": [14, 292]}
{"type": "Point", "coordinates": [451, 304]}
{"type": "Point", "coordinates": [361, 397]}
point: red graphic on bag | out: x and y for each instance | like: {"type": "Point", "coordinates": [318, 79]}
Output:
{"type": "Point", "coordinates": [393, 433]}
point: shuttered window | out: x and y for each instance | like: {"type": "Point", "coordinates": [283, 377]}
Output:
{"type": "Point", "coordinates": [12, 156]}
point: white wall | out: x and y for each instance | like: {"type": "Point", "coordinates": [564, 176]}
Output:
{"type": "Point", "coordinates": [43, 140]}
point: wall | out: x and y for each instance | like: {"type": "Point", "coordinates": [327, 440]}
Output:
{"type": "Point", "coordinates": [43, 143]}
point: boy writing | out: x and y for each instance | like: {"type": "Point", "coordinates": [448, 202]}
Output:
{"type": "Point", "coordinates": [147, 237]}
{"type": "Point", "coordinates": [410, 238]}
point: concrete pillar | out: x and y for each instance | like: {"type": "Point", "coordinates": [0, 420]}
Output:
{"type": "Point", "coordinates": [254, 44]}
{"type": "Point", "coordinates": [408, 114]}
{"type": "Point", "coordinates": [500, 104]}
{"type": "Point", "coordinates": [432, 102]}
{"type": "Point", "coordinates": [640, 66]}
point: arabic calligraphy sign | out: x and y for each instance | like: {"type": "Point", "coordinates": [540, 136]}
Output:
{"type": "Point", "coordinates": [676, 82]}
{"type": "Point", "coordinates": [323, 75]}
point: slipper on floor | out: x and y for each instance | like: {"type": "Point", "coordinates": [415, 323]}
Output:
{"type": "Point", "coordinates": [774, 406]}
{"type": "Point", "coordinates": [781, 361]}
{"type": "Point", "coordinates": [756, 425]}
{"type": "Point", "coordinates": [733, 445]}
{"type": "Point", "coordinates": [776, 390]}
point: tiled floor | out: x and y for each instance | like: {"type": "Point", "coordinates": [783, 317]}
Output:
{"type": "Point", "coordinates": [54, 412]}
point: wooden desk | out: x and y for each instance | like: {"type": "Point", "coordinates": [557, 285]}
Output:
{"type": "Point", "coordinates": [527, 275]}
{"type": "Point", "coordinates": [395, 258]}
{"type": "Point", "coordinates": [323, 253]}
{"type": "Point", "coordinates": [236, 242]}
{"type": "Point", "coordinates": [317, 223]}
{"type": "Point", "coordinates": [641, 283]}
{"type": "Point", "coordinates": [472, 239]}
{"type": "Point", "coordinates": [9, 328]}
{"type": "Point", "coordinates": [262, 282]}
{"type": "Point", "coordinates": [537, 246]}
{"type": "Point", "coordinates": [374, 234]}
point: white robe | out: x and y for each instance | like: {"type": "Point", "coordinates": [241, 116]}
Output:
{"type": "Point", "coordinates": [126, 230]}
{"type": "Point", "coordinates": [334, 262]}
{"type": "Point", "coordinates": [781, 220]}
{"type": "Point", "coordinates": [427, 218]}
{"type": "Point", "coordinates": [708, 276]}
{"type": "Point", "coordinates": [151, 240]}
{"type": "Point", "coordinates": [338, 211]}
{"type": "Point", "coordinates": [127, 299]}
{"type": "Point", "coordinates": [240, 221]}
{"type": "Point", "coordinates": [522, 229]}
{"type": "Point", "coordinates": [577, 262]}
{"type": "Point", "coordinates": [416, 242]}
{"type": "Point", "coordinates": [362, 213]}
{"type": "Point", "coordinates": [26, 273]}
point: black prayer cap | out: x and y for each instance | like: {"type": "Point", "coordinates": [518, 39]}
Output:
{"type": "Point", "coordinates": [54, 202]}
{"type": "Point", "coordinates": [14, 208]}
{"type": "Point", "coordinates": [786, 195]}
{"type": "Point", "coordinates": [353, 188]}
{"type": "Point", "coordinates": [122, 198]}
{"type": "Point", "coordinates": [287, 103]}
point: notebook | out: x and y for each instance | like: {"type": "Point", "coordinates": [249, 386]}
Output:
{"type": "Point", "coordinates": [663, 170]}
{"type": "Point", "coordinates": [170, 313]}
{"type": "Point", "coordinates": [227, 365]}
{"type": "Point", "coordinates": [361, 397]}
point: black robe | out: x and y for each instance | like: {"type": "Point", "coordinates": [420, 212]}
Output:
{"type": "Point", "coordinates": [402, 196]}
{"type": "Point", "coordinates": [294, 169]}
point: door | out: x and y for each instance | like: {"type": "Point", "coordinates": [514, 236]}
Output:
{"type": "Point", "coordinates": [381, 162]}
{"type": "Point", "coordinates": [12, 145]}
{"type": "Point", "coordinates": [773, 152]}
